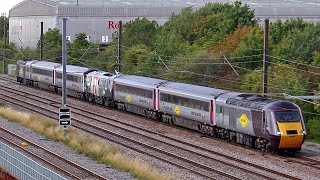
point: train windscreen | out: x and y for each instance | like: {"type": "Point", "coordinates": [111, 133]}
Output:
{"type": "Point", "coordinates": [287, 116]}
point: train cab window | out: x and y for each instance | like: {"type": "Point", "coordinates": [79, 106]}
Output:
{"type": "Point", "coordinates": [287, 116]}
{"type": "Point", "coordinates": [271, 127]}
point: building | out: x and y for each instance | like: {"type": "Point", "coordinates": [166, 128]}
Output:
{"type": "Point", "coordinates": [99, 18]}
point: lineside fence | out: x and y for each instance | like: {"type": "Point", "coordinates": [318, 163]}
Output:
{"type": "Point", "coordinates": [23, 167]}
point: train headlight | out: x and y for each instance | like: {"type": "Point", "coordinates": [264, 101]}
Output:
{"type": "Point", "coordinates": [279, 132]}
{"type": "Point", "coordinates": [302, 132]}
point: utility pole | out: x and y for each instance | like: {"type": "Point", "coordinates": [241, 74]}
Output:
{"type": "Point", "coordinates": [64, 63]}
{"type": "Point", "coordinates": [5, 69]}
{"type": "Point", "coordinates": [265, 57]}
{"type": "Point", "coordinates": [119, 46]}
{"type": "Point", "coordinates": [64, 112]}
{"type": "Point", "coordinates": [41, 41]}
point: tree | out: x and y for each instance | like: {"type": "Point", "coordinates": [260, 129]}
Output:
{"type": "Point", "coordinates": [52, 41]}
{"type": "Point", "coordinates": [210, 29]}
{"type": "Point", "coordinates": [140, 31]}
{"type": "Point", "coordinates": [139, 59]}
{"type": "Point", "coordinates": [198, 67]}
{"type": "Point", "coordinates": [250, 49]}
{"type": "Point", "coordinates": [316, 58]}
{"type": "Point", "coordinates": [81, 49]}
{"type": "Point", "coordinates": [4, 19]}
{"type": "Point", "coordinates": [205, 26]}
{"type": "Point", "coordinates": [299, 45]}
{"type": "Point", "coordinates": [232, 40]}
{"type": "Point", "coordinates": [313, 129]}
{"type": "Point", "coordinates": [282, 79]}
{"type": "Point", "coordinates": [279, 30]}
{"type": "Point", "coordinates": [240, 14]}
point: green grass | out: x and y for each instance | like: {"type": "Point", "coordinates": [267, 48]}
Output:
{"type": "Point", "coordinates": [87, 145]}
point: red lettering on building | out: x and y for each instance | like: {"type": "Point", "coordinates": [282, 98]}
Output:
{"type": "Point", "coordinates": [113, 25]}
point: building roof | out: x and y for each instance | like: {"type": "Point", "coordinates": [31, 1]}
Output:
{"type": "Point", "coordinates": [272, 9]}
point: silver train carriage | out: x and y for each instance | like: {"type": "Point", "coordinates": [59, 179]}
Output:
{"type": "Point", "coordinates": [43, 74]}
{"type": "Point", "coordinates": [37, 73]}
{"type": "Point", "coordinates": [75, 79]}
{"type": "Point", "coordinates": [137, 94]}
{"type": "Point", "coordinates": [188, 105]}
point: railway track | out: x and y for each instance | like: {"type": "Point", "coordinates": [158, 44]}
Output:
{"type": "Point", "coordinates": [200, 152]}
{"type": "Point", "coordinates": [304, 160]}
{"type": "Point", "coordinates": [66, 167]}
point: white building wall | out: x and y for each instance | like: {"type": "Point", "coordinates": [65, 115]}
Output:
{"type": "Point", "coordinates": [25, 31]}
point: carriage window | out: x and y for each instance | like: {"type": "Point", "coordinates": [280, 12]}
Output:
{"type": "Point", "coordinates": [134, 91]}
{"type": "Point", "coordinates": [226, 111]}
{"type": "Point", "coordinates": [219, 109]}
{"type": "Point", "coordinates": [59, 75]}
{"type": "Point", "coordinates": [42, 72]}
{"type": "Point", "coordinates": [186, 102]}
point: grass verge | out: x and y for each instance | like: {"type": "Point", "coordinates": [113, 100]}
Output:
{"type": "Point", "coordinates": [84, 144]}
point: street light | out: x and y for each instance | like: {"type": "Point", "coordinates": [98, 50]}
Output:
{"type": "Point", "coordinates": [5, 71]}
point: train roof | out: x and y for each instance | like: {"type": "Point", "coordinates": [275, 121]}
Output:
{"type": "Point", "coordinates": [192, 89]}
{"type": "Point", "coordinates": [74, 69]}
{"type": "Point", "coordinates": [101, 74]}
{"type": "Point", "coordinates": [252, 101]}
{"type": "Point", "coordinates": [45, 64]}
{"type": "Point", "coordinates": [140, 80]}
{"type": "Point", "coordinates": [281, 105]}
{"type": "Point", "coordinates": [22, 62]}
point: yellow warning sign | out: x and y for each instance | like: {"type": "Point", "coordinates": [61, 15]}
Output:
{"type": "Point", "coordinates": [21, 72]}
{"type": "Point", "coordinates": [39, 78]}
{"type": "Point", "coordinates": [129, 98]}
{"type": "Point", "coordinates": [177, 110]}
{"type": "Point", "coordinates": [244, 120]}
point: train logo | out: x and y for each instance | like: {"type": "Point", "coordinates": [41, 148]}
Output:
{"type": "Point", "coordinates": [129, 98]}
{"type": "Point", "coordinates": [177, 110]}
{"type": "Point", "coordinates": [244, 120]}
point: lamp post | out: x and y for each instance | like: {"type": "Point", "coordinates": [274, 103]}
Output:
{"type": "Point", "coordinates": [5, 71]}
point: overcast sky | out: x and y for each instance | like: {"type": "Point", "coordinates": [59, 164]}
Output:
{"type": "Point", "coordinates": [6, 5]}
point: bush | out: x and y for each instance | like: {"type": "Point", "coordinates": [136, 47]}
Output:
{"type": "Point", "coordinates": [313, 130]}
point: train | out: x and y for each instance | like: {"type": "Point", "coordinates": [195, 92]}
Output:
{"type": "Point", "coordinates": [252, 120]}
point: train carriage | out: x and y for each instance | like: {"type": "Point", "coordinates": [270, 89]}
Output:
{"type": "Point", "coordinates": [99, 86]}
{"type": "Point", "coordinates": [75, 79]}
{"type": "Point", "coordinates": [252, 120]}
{"type": "Point", "coordinates": [137, 94]}
{"type": "Point", "coordinates": [188, 105]}
{"type": "Point", "coordinates": [21, 73]}
{"type": "Point", "coordinates": [37, 73]}
{"type": "Point", "coordinates": [42, 74]}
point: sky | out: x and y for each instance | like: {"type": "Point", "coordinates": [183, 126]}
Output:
{"type": "Point", "coordinates": [6, 5]}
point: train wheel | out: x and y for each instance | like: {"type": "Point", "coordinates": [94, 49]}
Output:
{"type": "Point", "coordinates": [269, 148]}
{"type": "Point", "coordinates": [91, 98]}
